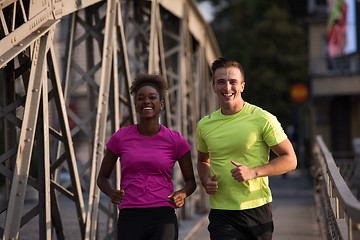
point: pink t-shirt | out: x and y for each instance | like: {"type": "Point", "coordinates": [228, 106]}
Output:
{"type": "Point", "coordinates": [146, 165]}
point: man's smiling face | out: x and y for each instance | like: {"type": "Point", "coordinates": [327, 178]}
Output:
{"type": "Point", "coordinates": [228, 85]}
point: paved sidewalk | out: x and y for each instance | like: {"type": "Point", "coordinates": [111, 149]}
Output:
{"type": "Point", "coordinates": [293, 210]}
{"type": "Point", "coordinates": [293, 207]}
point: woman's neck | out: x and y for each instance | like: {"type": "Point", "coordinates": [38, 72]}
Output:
{"type": "Point", "coordinates": [149, 128]}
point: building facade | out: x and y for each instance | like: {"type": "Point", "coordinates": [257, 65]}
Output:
{"type": "Point", "coordinates": [335, 80]}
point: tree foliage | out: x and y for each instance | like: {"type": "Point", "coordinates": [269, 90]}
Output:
{"type": "Point", "coordinates": [269, 39]}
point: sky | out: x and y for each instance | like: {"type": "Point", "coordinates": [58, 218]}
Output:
{"type": "Point", "coordinates": [206, 10]}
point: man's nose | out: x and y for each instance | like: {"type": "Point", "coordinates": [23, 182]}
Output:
{"type": "Point", "coordinates": [228, 85]}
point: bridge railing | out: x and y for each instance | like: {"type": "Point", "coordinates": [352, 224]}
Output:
{"type": "Point", "coordinates": [338, 210]}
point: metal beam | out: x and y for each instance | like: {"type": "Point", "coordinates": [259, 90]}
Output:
{"type": "Point", "coordinates": [198, 27]}
{"type": "Point", "coordinates": [67, 140]}
{"type": "Point", "coordinates": [101, 119]}
{"type": "Point", "coordinates": [26, 141]}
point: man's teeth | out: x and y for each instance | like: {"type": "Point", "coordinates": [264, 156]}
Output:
{"type": "Point", "coordinates": [227, 94]}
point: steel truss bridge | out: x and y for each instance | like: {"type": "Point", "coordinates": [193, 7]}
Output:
{"type": "Point", "coordinates": [65, 71]}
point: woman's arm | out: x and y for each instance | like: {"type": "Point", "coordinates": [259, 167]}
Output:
{"type": "Point", "coordinates": [186, 167]}
{"type": "Point", "coordinates": [103, 180]}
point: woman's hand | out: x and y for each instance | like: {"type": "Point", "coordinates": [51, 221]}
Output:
{"type": "Point", "coordinates": [177, 198]}
{"type": "Point", "coordinates": [117, 196]}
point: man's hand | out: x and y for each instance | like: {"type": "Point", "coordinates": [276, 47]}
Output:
{"type": "Point", "coordinates": [242, 173]}
{"type": "Point", "coordinates": [117, 196]}
{"type": "Point", "coordinates": [211, 185]}
{"type": "Point", "coordinates": [177, 198]}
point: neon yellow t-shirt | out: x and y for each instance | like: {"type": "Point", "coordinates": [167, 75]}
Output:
{"type": "Point", "coordinates": [244, 137]}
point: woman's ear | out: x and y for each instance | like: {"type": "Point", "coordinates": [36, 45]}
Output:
{"type": "Point", "coordinates": [135, 103]}
{"type": "Point", "coordinates": [162, 104]}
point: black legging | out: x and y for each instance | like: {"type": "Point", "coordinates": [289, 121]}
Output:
{"type": "Point", "coordinates": [158, 223]}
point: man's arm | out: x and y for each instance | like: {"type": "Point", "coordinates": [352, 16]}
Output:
{"type": "Point", "coordinates": [203, 168]}
{"type": "Point", "coordinates": [285, 162]}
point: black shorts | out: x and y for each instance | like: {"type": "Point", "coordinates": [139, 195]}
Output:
{"type": "Point", "coordinates": [158, 223]}
{"type": "Point", "coordinates": [249, 224]}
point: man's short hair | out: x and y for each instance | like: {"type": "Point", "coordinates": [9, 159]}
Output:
{"type": "Point", "coordinates": [225, 63]}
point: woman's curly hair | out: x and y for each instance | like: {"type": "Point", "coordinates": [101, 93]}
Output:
{"type": "Point", "coordinates": [155, 80]}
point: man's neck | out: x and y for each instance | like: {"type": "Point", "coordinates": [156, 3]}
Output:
{"type": "Point", "coordinates": [230, 110]}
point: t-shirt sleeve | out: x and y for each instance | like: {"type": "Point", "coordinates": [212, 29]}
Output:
{"type": "Point", "coordinates": [182, 146]}
{"type": "Point", "coordinates": [273, 132]}
{"type": "Point", "coordinates": [113, 142]}
{"type": "Point", "coordinates": [202, 147]}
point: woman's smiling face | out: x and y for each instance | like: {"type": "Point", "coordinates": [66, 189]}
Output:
{"type": "Point", "coordinates": [147, 102]}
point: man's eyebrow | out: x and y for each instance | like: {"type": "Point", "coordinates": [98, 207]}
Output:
{"type": "Point", "coordinates": [222, 79]}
